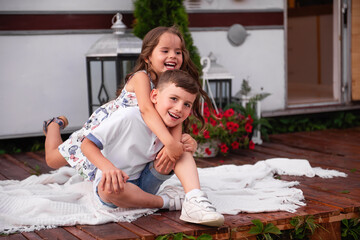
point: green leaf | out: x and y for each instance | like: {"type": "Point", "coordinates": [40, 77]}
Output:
{"type": "Point", "coordinates": [258, 224]}
{"type": "Point", "coordinates": [255, 230]}
{"type": "Point", "coordinates": [163, 237]}
{"type": "Point", "coordinates": [270, 228]}
{"type": "Point", "coordinates": [178, 236]}
{"type": "Point", "coordinates": [205, 237]}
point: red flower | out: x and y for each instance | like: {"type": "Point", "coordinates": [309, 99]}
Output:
{"type": "Point", "coordinates": [206, 112]}
{"type": "Point", "coordinates": [208, 151]}
{"type": "Point", "coordinates": [251, 145]}
{"type": "Point", "coordinates": [228, 113]}
{"type": "Point", "coordinates": [229, 125]}
{"type": "Point", "coordinates": [195, 131]}
{"type": "Point", "coordinates": [213, 122]}
{"type": "Point", "coordinates": [224, 148]}
{"type": "Point", "coordinates": [218, 115]}
{"type": "Point", "coordinates": [250, 120]}
{"type": "Point", "coordinates": [235, 145]}
{"type": "Point", "coordinates": [206, 134]}
{"type": "Point", "coordinates": [233, 127]}
{"type": "Point", "coordinates": [248, 127]}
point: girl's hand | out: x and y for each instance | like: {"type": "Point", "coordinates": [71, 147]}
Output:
{"type": "Point", "coordinates": [113, 180]}
{"type": "Point", "coordinates": [189, 143]}
{"type": "Point", "coordinates": [162, 163]}
{"type": "Point", "coordinates": [174, 151]}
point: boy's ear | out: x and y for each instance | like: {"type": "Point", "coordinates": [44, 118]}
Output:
{"type": "Point", "coordinates": [154, 95]}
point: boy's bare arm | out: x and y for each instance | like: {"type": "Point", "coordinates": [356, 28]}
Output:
{"type": "Point", "coordinates": [113, 179]}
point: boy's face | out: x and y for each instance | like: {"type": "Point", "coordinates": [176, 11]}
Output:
{"type": "Point", "coordinates": [173, 103]}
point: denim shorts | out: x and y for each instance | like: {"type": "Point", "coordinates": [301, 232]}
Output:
{"type": "Point", "coordinates": [149, 181]}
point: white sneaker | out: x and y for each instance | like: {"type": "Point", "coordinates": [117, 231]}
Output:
{"type": "Point", "coordinates": [176, 197]}
{"type": "Point", "coordinates": [198, 209]}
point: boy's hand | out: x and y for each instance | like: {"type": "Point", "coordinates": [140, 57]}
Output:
{"type": "Point", "coordinates": [113, 180]}
{"type": "Point", "coordinates": [190, 144]}
{"type": "Point", "coordinates": [162, 163]}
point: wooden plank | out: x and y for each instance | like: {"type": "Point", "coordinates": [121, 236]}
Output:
{"type": "Point", "coordinates": [11, 170]}
{"type": "Point", "coordinates": [315, 158]}
{"type": "Point", "coordinates": [18, 236]}
{"type": "Point", "coordinates": [328, 231]}
{"type": "Point", "coordinates": [31, 236]}
{"type": "Point", "coordinates": [56, 233]}
{"type": "Point", "coordinates": [145, 235]}
{"type": "Point", "coordinates": [324, 146]}
{"type": "Point", "coordinates": [344, 204]}
{"type": "Point", "coordinates": [78, 233]}
{"type": "Point", "coordinates": [155, 226]}
{"type": "Point", "coordinates": [108, 231]}
{"type": "Point", "coordinates": [217, 233]}
{"type": "Point", "coordinates": [30, 160]}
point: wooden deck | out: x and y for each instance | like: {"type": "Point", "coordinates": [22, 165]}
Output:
{"type": "Point", "coordinates": [328, 200]}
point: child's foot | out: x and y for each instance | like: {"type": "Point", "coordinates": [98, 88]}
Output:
{"type": "Point", "coordinates": [198, 209]}
{"type": "Point", "coordinates": [173, 198]}
{"type": "Point", "coordinates": [61, 120]}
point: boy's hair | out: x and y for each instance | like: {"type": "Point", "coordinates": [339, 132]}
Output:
{"type": "Point", "coordinates": [185, 81]}
{"type": "Point", "coordinates": [150, 41]}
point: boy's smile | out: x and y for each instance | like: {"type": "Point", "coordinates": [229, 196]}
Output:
{"type": "Point", "coordinates": [173, 104]}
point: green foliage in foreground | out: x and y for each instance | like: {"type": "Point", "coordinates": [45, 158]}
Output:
{"type": "Point", "coordinates": [350, 229]}
{"type": "Point", "coordinates": [264, 232]}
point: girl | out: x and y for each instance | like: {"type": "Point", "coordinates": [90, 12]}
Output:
{"type": "Point", "coordinates": [163, 49]}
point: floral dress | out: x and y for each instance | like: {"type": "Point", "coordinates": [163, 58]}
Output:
{"type": "Point", "coordinates": [70, 149]}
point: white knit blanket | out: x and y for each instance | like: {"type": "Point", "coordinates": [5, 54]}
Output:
{"type": "Point", "coordinates": [62, 198]}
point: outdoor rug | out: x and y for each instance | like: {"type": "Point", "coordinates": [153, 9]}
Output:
{"type": "Point", "coordinates": [62, 198]}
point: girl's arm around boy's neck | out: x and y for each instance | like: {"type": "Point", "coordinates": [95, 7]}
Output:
{"type": "Point", "coordinates": [141, 85]}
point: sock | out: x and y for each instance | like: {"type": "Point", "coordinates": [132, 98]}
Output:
{"type": "Point", "coordinates": [192, 193]}
{"type": "Point", "coordinates": [166, 201]}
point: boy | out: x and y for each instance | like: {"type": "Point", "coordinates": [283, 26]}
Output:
{"type": "Point", "coordinates": [123, 149]}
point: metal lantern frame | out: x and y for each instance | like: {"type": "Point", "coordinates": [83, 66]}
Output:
{"type": "Point", "coordinates": [216, 75]}
{"type": "Point", "coordinates": [121, 48]}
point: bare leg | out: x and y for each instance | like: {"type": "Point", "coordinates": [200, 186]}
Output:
{"type": "Point", "coordinates": [186, 170]}
{"type": "Point", "coordinates": [52, 141]}
{"type": "Point", "coordinates": [132, 196]}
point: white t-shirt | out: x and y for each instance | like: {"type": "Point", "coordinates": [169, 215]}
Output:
{"type": "Point", "coordinates": [126, 141]}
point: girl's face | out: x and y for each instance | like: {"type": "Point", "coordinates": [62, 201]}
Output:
{"type": "Point", "coordinates": [167, 55]}
{"type": "Point", "coordinates": [173, 104]}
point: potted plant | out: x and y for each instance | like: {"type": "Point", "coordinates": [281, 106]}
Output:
{"type": "Point", "coordinates": [223, 131]}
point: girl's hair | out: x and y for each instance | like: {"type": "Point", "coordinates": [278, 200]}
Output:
{"type": "Point", "coordinates": [150, 41]}
{"type": "Point", "coordinates": [185, 81]}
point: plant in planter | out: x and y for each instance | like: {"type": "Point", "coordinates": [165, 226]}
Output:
{"type": "Point", "coordinates": [223, 131]}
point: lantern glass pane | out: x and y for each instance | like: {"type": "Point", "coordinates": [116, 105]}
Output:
{"type": "Point", "coordinates": [103, 82]}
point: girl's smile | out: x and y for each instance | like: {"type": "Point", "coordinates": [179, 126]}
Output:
{"type": "Point", "coordinates": [167, 55]}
